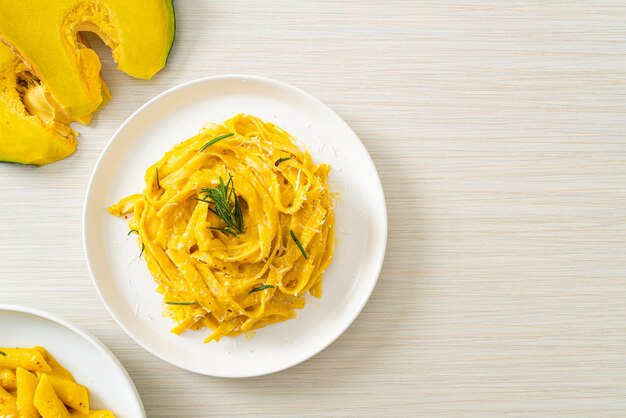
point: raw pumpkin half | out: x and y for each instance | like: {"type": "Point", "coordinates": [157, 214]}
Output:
{"type": "Point", "coordinates": [45, 34]}
{"type": "Point", "coordinates": [33, 130]}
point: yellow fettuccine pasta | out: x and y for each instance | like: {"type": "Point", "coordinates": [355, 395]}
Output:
{"type": "Point", "coordinates": [236, 276]}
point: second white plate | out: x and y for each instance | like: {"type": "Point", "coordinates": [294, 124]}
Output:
{"type": "Point", "coordinates": [123, 280]}
{"type": "Point", "coordinates": [91, 363]}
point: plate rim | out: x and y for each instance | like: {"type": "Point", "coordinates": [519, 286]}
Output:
{"type": "Point", "coordinates": [85, 335]}
{"type": "Point", "coordinates": [383, 222]}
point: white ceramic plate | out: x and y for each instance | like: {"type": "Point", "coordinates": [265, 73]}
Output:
{"type": "Point", "coordinates": [91, 363]}
{"type": "Point", "coordinates": [123, 280]}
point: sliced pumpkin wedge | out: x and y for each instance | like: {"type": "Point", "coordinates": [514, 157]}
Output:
{"type": "Point", "coordinates": [45, 35]}
{"type": "Point", "coordinates": [33, 128]}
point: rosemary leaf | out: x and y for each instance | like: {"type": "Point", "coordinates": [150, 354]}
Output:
{"type": "Point", "coordinates": [224, 230]}
{"type": "Point", "coordinates": [258, 289]}
{"type": "Point", "coordinates": [280, 160]}
{"type": "Point", "coordinates": [181, 303]}
{"type": "Point", "coordinates": [297, 241]}
{"type": "Point", "coordinates": [131, 231]}
{"type": "Point", "coordinates": [215, 141]}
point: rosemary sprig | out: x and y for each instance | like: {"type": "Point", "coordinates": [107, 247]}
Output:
{"type": "Point", "coordinates": [131, 231]}
{"type": "Point", "coordinates": [221, 197]}
{"type": "Point", "coordinates": [2, 353]}
{"type": "Point", "coordinates": [215, 140]}
{"type": "Point", "coordinates": [157, 178]}
{"type": "Point", "coordinates": [297, 241]}
{"type": "Point", "coordinates": [280, 160]}
{"type": "Point", "coordinates": [258, 289]}
{"type": "Point", "coordinates": [181, 303]}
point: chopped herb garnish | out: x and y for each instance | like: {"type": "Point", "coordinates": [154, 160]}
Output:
{"type": "Point", "coordinates": [157, 178]}
{"type": "Point", "coordinates": [224, 230]}
{"type": "Point", "coordinates": [2, 353]}
{"type": "Point", "coordinates": [215, 140]}
{"type": "Point", "coordinates": [143, 245]}
{"type": "Point", "coordinates": [221, 197]}
{"type": "Point", "coordinates": [297, 241]}
{"type": "Point", "coordinates": [280, 160]}
{"type": "Point", "coordinates": [181, 303]}
{"type": "Point", "coordinates": [258, 289]}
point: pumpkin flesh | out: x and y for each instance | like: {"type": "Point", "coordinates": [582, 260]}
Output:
{"type": "Point", "coordinates": [33, 128]}
{"type": "Point", "coordinates": [46, 36]}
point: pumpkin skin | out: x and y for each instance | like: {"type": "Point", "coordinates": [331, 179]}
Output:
{"type": "Point", "coordinates": [45, 35]}
{"type": "Point", "coordinates": [37, 138]}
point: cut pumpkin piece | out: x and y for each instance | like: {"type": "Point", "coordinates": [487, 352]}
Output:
{"type": "Point", "coordinates": [32, 128]}
{"type": "Point", "coordinates": [45, 34]}
{"type": "Point", "coordinates": [37, 99]}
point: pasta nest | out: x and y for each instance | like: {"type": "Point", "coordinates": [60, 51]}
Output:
{"type": "Point", "coordinates": [212, 275]}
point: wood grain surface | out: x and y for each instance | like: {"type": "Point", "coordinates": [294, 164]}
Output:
{"type": "Point", "coordinates": [499, 131]}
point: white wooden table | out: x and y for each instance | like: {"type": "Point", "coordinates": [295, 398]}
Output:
{"type": "Point", "coordinates": [499, 130]}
